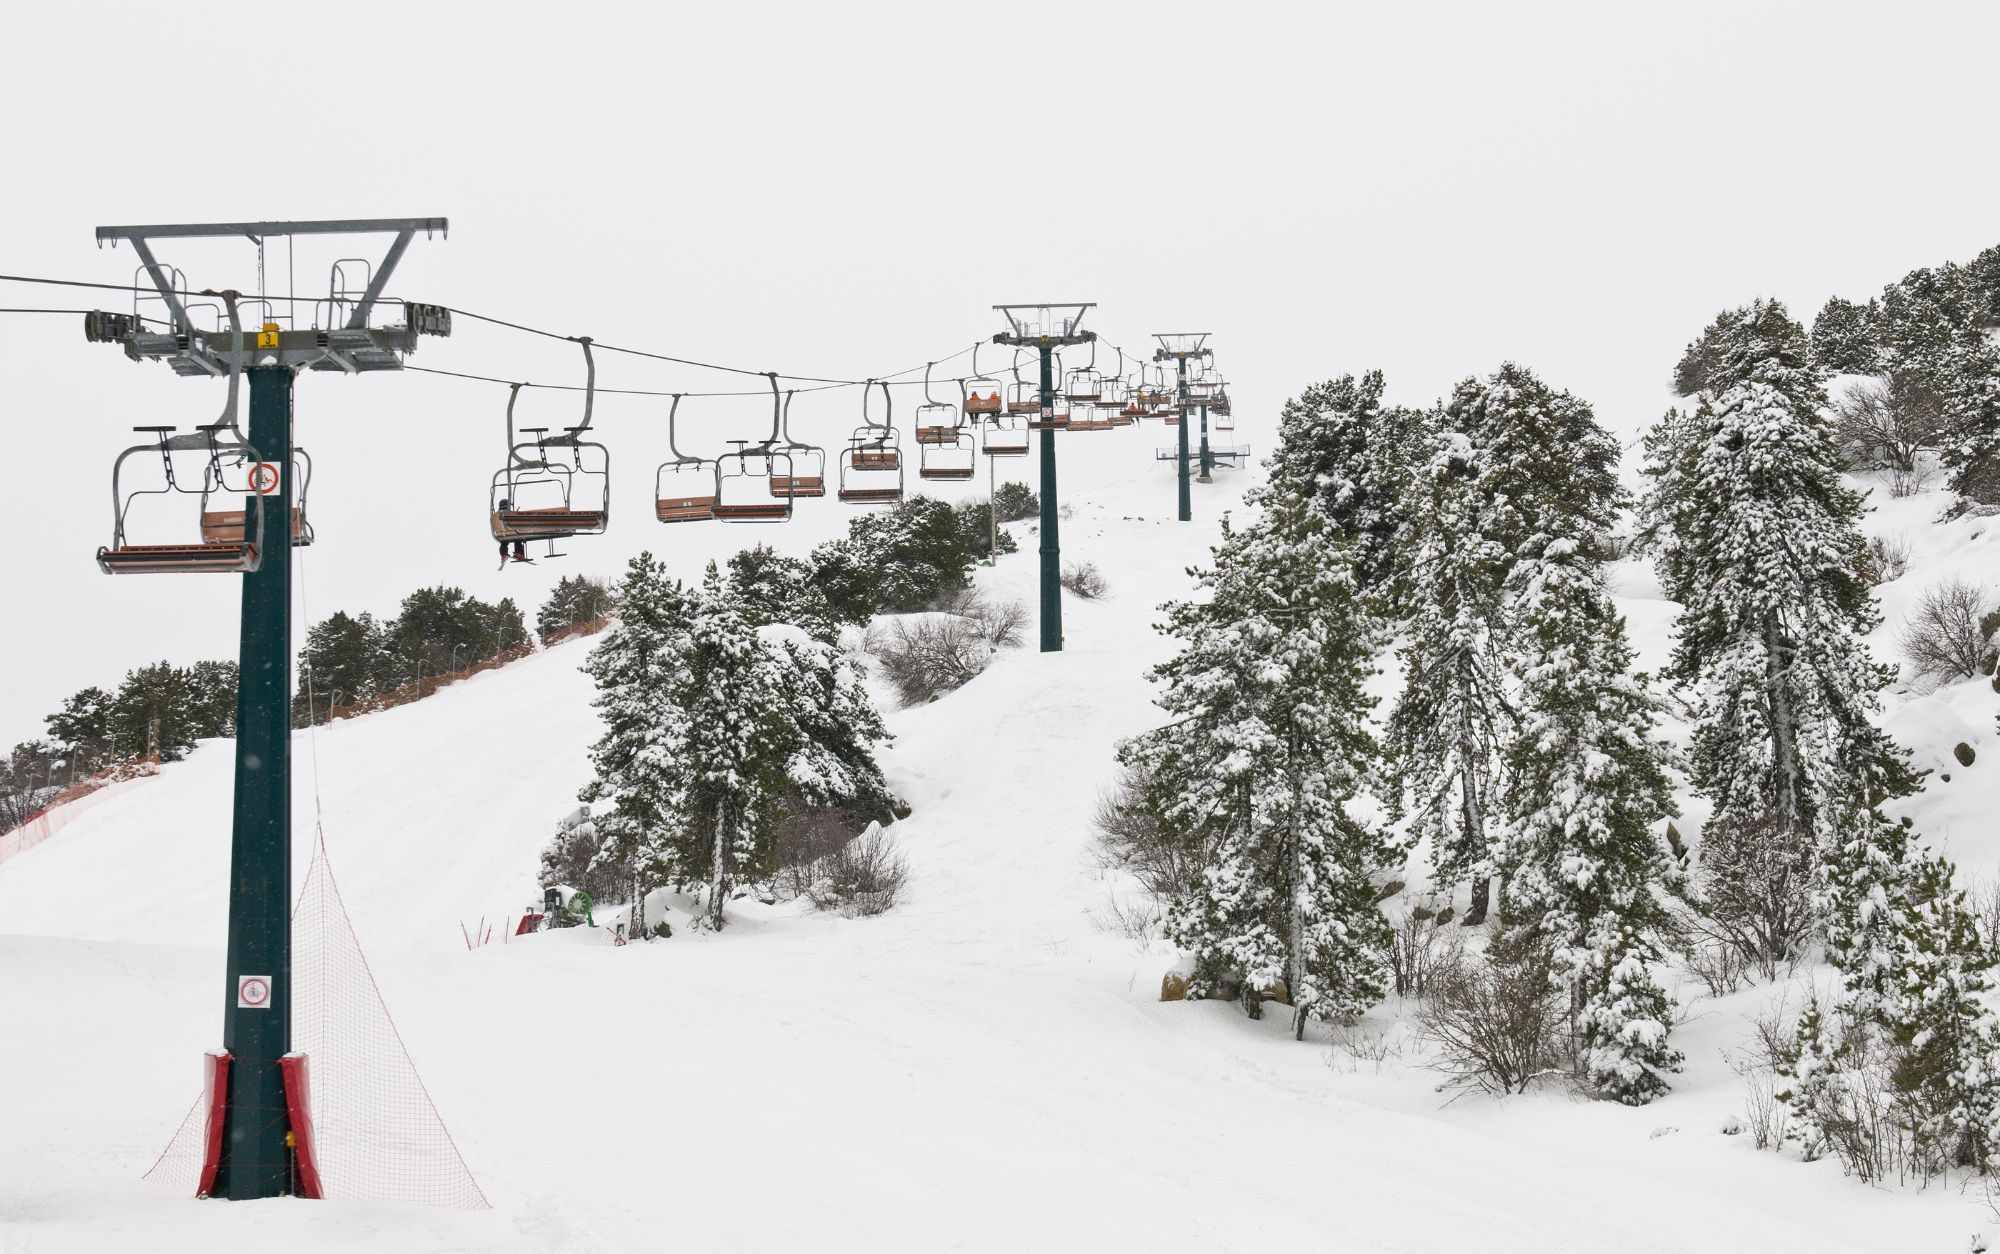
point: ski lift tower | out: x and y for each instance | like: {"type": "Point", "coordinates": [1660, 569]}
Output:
{"type": "Point", "coordinates": [1178, 347]}
{"type": "Point", "coordinates": [1045, 327]}
{"type": "Point", "coordinates": [344, 335]}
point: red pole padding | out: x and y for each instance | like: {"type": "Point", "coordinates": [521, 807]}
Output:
{"type": "Point", "coordinates": [298, 1112]}
{"type": "Point", "coordinates": [215, 1101]}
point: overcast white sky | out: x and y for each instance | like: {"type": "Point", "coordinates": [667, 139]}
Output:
{"type": "Point", "coordinates": [845, 189]}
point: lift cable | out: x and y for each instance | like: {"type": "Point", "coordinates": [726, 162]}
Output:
{"type": "Point", "coordinates": [496, 321]}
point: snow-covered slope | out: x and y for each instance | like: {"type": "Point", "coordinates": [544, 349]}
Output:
{"type": "Point", "coordinates": [986, 1067]}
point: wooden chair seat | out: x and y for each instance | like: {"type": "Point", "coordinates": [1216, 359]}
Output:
{"type": "Point", "coordinates": [753, 511]}
{"type": "Point", "coordinates": [139, 559]}
{"type": "Point", "coordinates": [982, 404]}
{"type": "Point", "coordinates": [539, 524]}
{"type": "Point", "coordinates": [886, 459]}
{"type": "Point", "coordinates": [945, 472]}
{"type": "Point", "coordinates": [798, 485]}
{"type": "Point", "coordinates": [1006, 450]}
{"type": "Point", "coordinates": [1024, 407]}
{"type": "Point", "coordinates": [871, 496]}
{"type": "Point", "coordinates": [226, 527]}
{"type": "Point", "coordinates": [672, 509]}
{"type": "Point", "coordinates": [1050, 424]}
{"type": "Point", "coordinates": [1090, 424]}
{"type": "Point", "coordinates": [937, 435]}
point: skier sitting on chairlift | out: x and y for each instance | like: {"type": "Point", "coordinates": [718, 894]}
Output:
{"type": "Point", "coordinates": [520, 547]}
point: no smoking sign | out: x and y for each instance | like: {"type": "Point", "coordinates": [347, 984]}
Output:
{"type": "Point", "coordinates": [253, 992]}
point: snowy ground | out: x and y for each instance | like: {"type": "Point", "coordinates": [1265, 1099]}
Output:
{"type": "Point", "coordinates": [985, 1068]}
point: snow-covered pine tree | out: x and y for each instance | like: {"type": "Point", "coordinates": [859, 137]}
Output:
{"type": "Point", "coordinates": [836, 727]}
{"type": "Point", "coordinates": [1359, 462]}
{"type": "Point", "coordinates": [1451, 719]}
{"type": "Point", "coordinates": [1586, 782]}
{"type": "Point", "coordinates": [1843, 338]}
{"type": "Point", "coordinates": [1518, 460]}
{"type": "Point", "coordinates": [736, 737]}
{"type": "Point", "coordinates": [1265, 745]}
{"type": "Point", "coordinates": [638, 668]}
{"type": "Point", "coordinates": [1915, 973]}
{"type": "Point", "coordinates": [1934, 335]}
{"type": "Point", "coordinates": [1758, 538]}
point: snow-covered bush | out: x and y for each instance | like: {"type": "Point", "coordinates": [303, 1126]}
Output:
{"type": "Point", "coordinates": [1888, 558]}
{"type": "Point", "coordinates": [1016, 501]}
{"type": "Point", "coordinates": [1131, 837]}
{"type": "Point", "coordinates": [863, 876]}
{"type": "Point", "coordinates": [927, 655]}
{"type": "Point", "coordinates": [1084, 580]}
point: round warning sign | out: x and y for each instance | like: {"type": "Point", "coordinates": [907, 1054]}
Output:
{"type": "Point", "coordinates": [253, 992]}
{"type": "Point", "coordinates": [264, 478]}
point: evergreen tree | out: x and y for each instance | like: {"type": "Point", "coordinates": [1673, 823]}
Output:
{"type": "Point", "coordinates": [737, 737]}
{"type": "Point", "coordinates": [1451, 719]}
{"type": "Point", "coordinates": [637, 763]}
{"type": "Point", "coordinates": [1359, 462]}
{"type": "Point", "coordinates": [1758, 538]}
{"type": "Point", "coordinates": [83, 725]}
{"type": "Point", "coordinates": [1843, 338]}
{"type": "Point", "coordinates": [1519, 461]}
{"type": "Point", "coordinates": [1267, 743]}
{"type": "Point", "coordinates": [155, 711]}
{"type": "Point", "coordinates": [1933, 332]}
{"type": "Point", "coordinates": [836, 728]}
{"type": "Point", "coordinates": [1586, 782]}
{"type": "Point", "coordinates": [575, 600]}
{"type": "Point", "coordinates": [212, 699]}
{"type": "Point", "coordinates": [774, 588]}
{"type": "Point", "coordinates": [342, 659]}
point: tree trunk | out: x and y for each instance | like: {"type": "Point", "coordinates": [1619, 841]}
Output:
{"type": "Point", "coordinates": [638, 905]}
{"type": "Point", "coordinates": [1474, 822]}
{"type": "Point", "coordinates": [718, 880]}
{"type": "Point", "coordinates": [1295, 974]}
{"type": "Point", "coordinates": [1784, 729]}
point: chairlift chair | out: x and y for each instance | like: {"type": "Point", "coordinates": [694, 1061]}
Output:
{"type": "Point", "coordinates": [221, 448]}
{"type": "Point", "coordinates": [572, 499]}
{"type": "Point", "coordinates": [683, 488]}
{"type": "Point", "coordinates": [871, 467]}
{"type": "Point", "coordinates": [745, 480]}
{"type": "Point", "coordinates": [804, 457]}
{"type": "Point", "coordinates": [1023, 398]}
{"type": "Point", "coordinates": [1007, 437]}
{"type": "Point", "coordinates": [937, 422]}
{"type": "Point", "coordinates": [1084, 386]}
{"type": "Point", "coordinates": [758, 465]}
{"type": "Point", "coordinates": [983, 399]}
{"type": "Point", "coordinates": [947, 460]}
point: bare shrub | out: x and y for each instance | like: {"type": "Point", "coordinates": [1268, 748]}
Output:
{"type": "Point", "coordinates": [1422, 943]}
{"type": "Point", "coordinates": [1758, 1063]}
{"type": "Point", "coordinates": [1000, 622]}
{"type": "Point", "coordinates": [1943, 639]}
{"type": "Point", "coordinates": [1986, 904]}
{"type": "Point", "coordinates": [1131, 838]}
{"type": "Point", "coordinates": [1135, 921]}
{"type": "Point", "coordinates": [1084, 580]}
{"type": "Point", "coordinates": [1496, 1020]}
{"type": "Point", "coordinates": [1755, 894]}
{"type": "Point", "coordinates": [940, 653]}
{"type": "Point", "coordinates": [1363, 1045]}
{"type": "Point", "coordinates": [1886, 424]}
{"type": "Point", "coordinates": [805, 839]}
{"type": "Point", "coordinates": [864, 876]}
{"type": "Point", "coordinates": [1719, 965]}
{"type": "Point", "coordinates": [1887, 558]}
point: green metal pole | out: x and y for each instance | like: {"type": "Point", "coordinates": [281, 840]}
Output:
{"type": "Point", "coordinates": [257, 1020]}
{"type": "Point", "coordinates": [1051, 540]}
{"type": "Point", "coordinates": [1207, 462]}
{"type": "Point", "coordinates": [1181, 463]}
